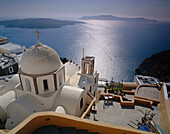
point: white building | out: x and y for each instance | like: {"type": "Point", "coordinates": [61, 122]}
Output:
{"type": "Point", "coordinates": [41, 70]}
{"type": "Point", "coordinates": [46, 84]}
{"type": "Point", "coordinates": [9, 47]}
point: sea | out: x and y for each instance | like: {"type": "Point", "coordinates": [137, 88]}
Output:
{"type": "Point", "coordinates": [119, 47]}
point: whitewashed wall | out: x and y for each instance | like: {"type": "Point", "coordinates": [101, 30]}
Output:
{"type": "Point", "coordinates": [69, 97]}
{"type": "Point", "coordinates": [21, 108]}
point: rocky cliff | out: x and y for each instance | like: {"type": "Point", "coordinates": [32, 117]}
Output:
{"type": "Point", "coordinates": [158, 65]}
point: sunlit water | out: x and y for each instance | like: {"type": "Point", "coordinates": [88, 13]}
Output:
{"type": "Point", "coordinates": [119, 47]}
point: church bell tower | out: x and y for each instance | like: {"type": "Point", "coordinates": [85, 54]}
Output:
{"type": "Point", "coordinates": [87, 66]}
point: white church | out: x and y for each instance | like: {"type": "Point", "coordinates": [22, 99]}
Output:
{"type": "Point", "coordinates": [44, 83]}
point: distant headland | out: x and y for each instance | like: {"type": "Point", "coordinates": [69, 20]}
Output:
{"type": "Point", "coordinates": [40, 23]}
{"type": "Point", "coordinates": [158, 65]}
{"type": "Point", "coordinates": [115, 18]}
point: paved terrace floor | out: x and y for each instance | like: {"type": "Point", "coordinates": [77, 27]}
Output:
{"type": "Point", "coordinates": [115, 114]}
{"type": "Point", "coordinates": [149, 92]}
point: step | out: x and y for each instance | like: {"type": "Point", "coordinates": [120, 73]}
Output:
{"type": "Point", "coordinates": [51, 129]}
{"type": "Point", "coordinates": [67, 130]}
{"type": "Point", "coordinates": [82, 131]}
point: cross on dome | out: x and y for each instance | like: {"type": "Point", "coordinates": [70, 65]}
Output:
{"type": "Point", "coordinates": [37, 35]}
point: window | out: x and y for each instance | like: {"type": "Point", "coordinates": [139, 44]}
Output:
{"type": "Point", "coordinates": [45, 85]}
{"type": "Point", "coordinates": [60, 79]}
{"type": "Point", "coordinates": [81, 103]}
{"type": "Point", "coordinates": [95, 80]}
{"type": "Point", "coordinates": [90, 89]}
{"type": "Point", "coordinates": [28, 84]}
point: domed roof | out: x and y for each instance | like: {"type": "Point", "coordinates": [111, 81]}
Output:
{"type": "Point", "coordinates": [40, 59]}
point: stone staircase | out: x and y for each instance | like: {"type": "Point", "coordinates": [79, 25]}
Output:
{"type": "Point", "coordinates": [52, 129]}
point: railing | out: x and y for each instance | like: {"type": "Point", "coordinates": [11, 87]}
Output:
{"type": "Point", "coordinates": [89, 108]}
{"type": "Point", "coordinates": [90, 94]}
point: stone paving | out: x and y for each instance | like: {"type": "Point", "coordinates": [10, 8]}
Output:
{"type": "Point", "coordinates": [114, 113]}
{"type": "Point", "coordinates": [149, 92]}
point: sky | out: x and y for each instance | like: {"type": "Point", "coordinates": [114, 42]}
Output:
{"type": "Point", "coordinates": [154, 9]}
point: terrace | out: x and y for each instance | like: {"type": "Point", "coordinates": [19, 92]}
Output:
{"type": "Point", "coordinates": [114, 113]}
{"type": "Point", "coordinates": [126, 107]}
{"type": "Point", "coordinates": [150, 92]}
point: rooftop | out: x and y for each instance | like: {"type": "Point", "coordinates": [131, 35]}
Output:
{"type": "Point", "coordinates": [11, 46]}
{"type": "Point", "coordinates": [2, 38]}
{"type": "Point", "coordinates": [91, 58]}
{"type": "Point", "coordinates": [8, 83]}
{"type": "Point", "coordinates": [113, 113]}
{"type": "Point", "coordinates": [146, 80]}
{"type": "Point", "coordinates": [132, 106]}
{"type": "Point", "coordinates": [6, 61]}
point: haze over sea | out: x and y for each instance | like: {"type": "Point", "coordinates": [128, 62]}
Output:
{"type": "Point", "coordinates": [119, 47]}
